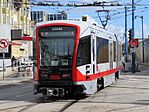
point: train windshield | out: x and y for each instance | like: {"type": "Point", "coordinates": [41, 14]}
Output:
{"type": "Point", "coordinates": [56, 45]}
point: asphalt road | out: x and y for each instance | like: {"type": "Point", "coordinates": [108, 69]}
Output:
{"type": "Point", "coordinates": [19, 97]}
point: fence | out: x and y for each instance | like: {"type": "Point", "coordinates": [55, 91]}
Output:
{"type": "Point", "coordinates": [25, 70]}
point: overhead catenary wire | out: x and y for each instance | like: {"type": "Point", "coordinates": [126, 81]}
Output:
{"type": "Point", "coordinates": [80, 4]}
{"type": "Point", "coordinates": [68, 10]}
{"type": "Point", "coordinates": [115, 14]}
{"type": "Point", "coordinates": [136, 11]}
{"type": "Point", "coordinates": [121, 12]}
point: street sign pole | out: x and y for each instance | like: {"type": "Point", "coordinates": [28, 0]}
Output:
{"type": "Point", "coordinates": [133, 54]}
{"type": "Point", "coordinates": [133, 44]}
{"type": "Point", "coordinates": [4, 49]}
{"type": "Point", "coordinates": [3, 65]}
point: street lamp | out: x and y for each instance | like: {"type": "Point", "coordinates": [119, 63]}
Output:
{"type": "Point", "coordinates": [141, 17]}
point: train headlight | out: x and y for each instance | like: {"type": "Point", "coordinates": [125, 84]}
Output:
{"type": "Point", "coordinates": [44, 74]}
{"type": "Point", "coordinates": [66, 75]}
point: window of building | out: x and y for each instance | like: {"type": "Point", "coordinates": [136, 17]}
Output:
{"type": "Point", "coordinates": [59, 16]}
{"type": "Point", "coordinates": [38, 16]}
{"type": "Point", "coordinates": [51, 17]}
{"type": "Point", "coordinates": [22, 26]}
{"type": "Point", "coordinates": [17, 5]}
{"type": "Point", "coordinates": [8, 20]}
{"type": "Point", "coordinates": [35, 15]}
{"type": "Point", "coordinates": [102, 50]}
{"type": "Point", "coordinates": [22, 11]}
{"type": "Point", "coordinates": [55, 18]}
{"type": "Point", "coordinates": [41, 16]}
{"type": "Point", "coordinates": [11, 5]}
{"type": "Point", "coordinates": [4, 19]}
{"type": "Point", "coordinates": [32, 17]}
{"type": "Point", "coordinates": [64, 16]}
{"type": "Point", "coordinates": [84, 51]}
{"type": "Point", "coordinates": [3, 4]}
{"type": "Point", "coordinates": [7, 3]}
{"type": "Point", "coordinates": [12, 21]}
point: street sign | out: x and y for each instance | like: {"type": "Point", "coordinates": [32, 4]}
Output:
{"type": "Point", "coordinates": [3, 43]}
{"type": "Point", "coordinates": [5, 50]}
{"type": "Point", "coordinates": [4, 46]}
{"type": "Point", "coordinates": [133, 43]}
{"type": "Point", "coordinates": [133, 50]}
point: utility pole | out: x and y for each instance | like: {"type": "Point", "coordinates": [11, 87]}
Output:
{"type": "Point", "coordinates": [126, 40]}
{"type": "Point", "coordinates": [133, 52]}
{"type": "Point", "coordinates": [142, 40]}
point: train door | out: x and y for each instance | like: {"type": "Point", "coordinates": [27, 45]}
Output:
{"type": "Point", "coordinates": [91, 69]}
{"type": "Point", "coordinates": [111, 54]}
{"type": "Point", "coordinates": [93, 52]}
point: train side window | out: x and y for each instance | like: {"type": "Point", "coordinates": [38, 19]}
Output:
{"type": "Point", "coordinates": [102, 50]}
{"type": "Point", "coordinates": [84, 51]}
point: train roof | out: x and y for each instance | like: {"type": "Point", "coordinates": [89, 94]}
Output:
{"type": "Point", "coordinates": [75, 22]}
{"type": "Point", "coordinates": [85, 26]}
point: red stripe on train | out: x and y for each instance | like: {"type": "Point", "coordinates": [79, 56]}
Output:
{"type": "Point", "coordinates": [80, 77]}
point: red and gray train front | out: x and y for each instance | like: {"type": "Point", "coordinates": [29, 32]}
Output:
{"type": "Point", "coordinates": [56, 52]}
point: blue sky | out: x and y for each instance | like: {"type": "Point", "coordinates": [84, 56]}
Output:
{"type": "Point", "coordinates": [116, 22]}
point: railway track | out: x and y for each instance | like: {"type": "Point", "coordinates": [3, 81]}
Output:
{"type": "Point", "coordinates": [20, 98]}
{"type": "Point", "coordinates": [67, 105]}
{"type": "Point", "coordinates": [62, 104]}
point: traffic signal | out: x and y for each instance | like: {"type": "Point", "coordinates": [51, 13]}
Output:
{"type": "Point", "coordinates": [130, 34]}
{"type": "Point", "coordinates": [84, 18]}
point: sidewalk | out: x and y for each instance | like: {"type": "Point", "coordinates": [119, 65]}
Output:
{"type": "Point", "coordinates": [129, 94]}
{"type": "Point", "coordinates": [143, 70]}
{"type": "Point", "coordinates": [8, 72]}
{"type": "Point", "coordinates": [11, 76]}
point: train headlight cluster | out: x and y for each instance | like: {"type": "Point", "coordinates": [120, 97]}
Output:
{"type": "Point", "coordinates": [66, 75]}
{"type": "Point", "coordinates": [44, 74]}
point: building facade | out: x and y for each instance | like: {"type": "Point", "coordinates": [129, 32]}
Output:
{"type": "Point", "coordinates": [15, 13]}
{"type": "Point", "coordinates": [40, 16]}
{"type": "Point", "coordinates": [51, 17]}
{"type": "Point", "coordinates": [146, 51]}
